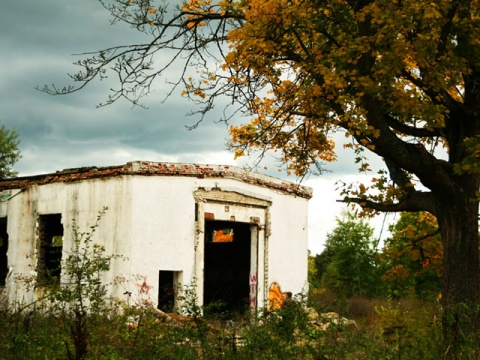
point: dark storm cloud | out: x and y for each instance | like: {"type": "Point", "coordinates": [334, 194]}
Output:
{"type": "Point", "coordinates": [37, 42]}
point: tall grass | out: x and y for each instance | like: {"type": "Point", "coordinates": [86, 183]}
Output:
{"type": "Point", "coordinates": [385, 329]}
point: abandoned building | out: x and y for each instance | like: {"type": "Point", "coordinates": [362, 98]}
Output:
{"type": "Point", "coordinates": [228, 232]}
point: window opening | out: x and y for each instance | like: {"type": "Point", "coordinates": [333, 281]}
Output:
{"type": "Point", "coordinates": [3, 251]}
{"type": "Point", "coordinates": [50, 237]}
{"type": "Point", "coordinates": [166, 290]}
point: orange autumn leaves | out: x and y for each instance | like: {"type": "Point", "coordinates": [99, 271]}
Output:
{"type": "Point", "coordinates": [297, 65]}
{"type": "Point", "coordinates": [195, 10]}
{"type": "Point", "coordinates": [281, 106]}
{"type": "Point", "coordinates": [414, 253]}
{"type": "Point", "coordinates": [286, 116]}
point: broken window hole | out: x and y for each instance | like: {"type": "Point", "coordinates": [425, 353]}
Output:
{"type": "Point", "coordinates": [50, 240]}
{"type": "Point", "coordinates": [3, 251]}
{"type": "Point", "coordinates": [167, 283]}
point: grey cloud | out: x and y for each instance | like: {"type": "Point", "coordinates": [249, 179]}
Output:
{"type": "Point", "coordinates": [38, 41]}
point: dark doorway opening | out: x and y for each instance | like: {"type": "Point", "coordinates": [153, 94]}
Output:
{"type": "Point", "coordinates": [50, 237]}
{"type": "Point", "coordinates": [226, 267]}
{"type": "Point", "coordinates": [3, 251]}
{"type": "Point", "coordinates": [166, 290]}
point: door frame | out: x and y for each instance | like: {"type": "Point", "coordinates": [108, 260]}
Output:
{"type": "Point", "coordinates": [239, 206]}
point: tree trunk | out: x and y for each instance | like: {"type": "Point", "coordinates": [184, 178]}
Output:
{"type": "Point", "coordinates": [461, 275]}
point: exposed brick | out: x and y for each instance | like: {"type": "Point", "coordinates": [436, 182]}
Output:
{"type": "Point", "coordinates": [147, 168]}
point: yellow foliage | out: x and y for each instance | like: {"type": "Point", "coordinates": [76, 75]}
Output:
{"type": "Point", "coordinates": [307, 61]}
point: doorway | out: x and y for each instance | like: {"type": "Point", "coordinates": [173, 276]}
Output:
{"type": "Point", "coordinates": [226, 267]}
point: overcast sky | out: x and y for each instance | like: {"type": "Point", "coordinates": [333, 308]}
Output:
{"type": "Point", "coordinates": [38, 40]}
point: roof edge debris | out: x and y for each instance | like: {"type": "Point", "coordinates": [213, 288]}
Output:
{"type": "Point", "coordinates": [149, 168]}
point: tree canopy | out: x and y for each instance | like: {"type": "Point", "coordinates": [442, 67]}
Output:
{"type": "Point", "coordinates": [399, 78]}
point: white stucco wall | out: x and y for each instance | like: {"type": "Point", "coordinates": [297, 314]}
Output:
{"type": "Point", "coordinates": [288, 244]}
{"type": "Point", "coordinates": [163, 227]}
{"type": "Point", "coordinates": [150, 221]}
{"type": "Point", "coordinates": [79, 201]}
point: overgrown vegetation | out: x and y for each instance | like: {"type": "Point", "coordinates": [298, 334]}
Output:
{"type": "Point", "coordinates": [346, 316]}
{"type": "Point", "coordinates": [393, 287]}
{"type": "Point", "coordinates": [409, 263]}
{"type": "Point", "coordinates": [75, 321]}
{"type": "Point", "coordinates": [403, 329]}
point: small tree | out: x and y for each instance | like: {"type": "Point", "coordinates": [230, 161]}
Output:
{"type": "Point", "coordinates": [82, 294]}
{"type": "Point", "coordinates": [352, 269]}
{"type": "Point", "coordinates": [9, 152]}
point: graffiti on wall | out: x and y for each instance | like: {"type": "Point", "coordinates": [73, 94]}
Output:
{"type": "Point", "coordinates": [143, 296]}
{"type": "Point", "coordinates": [253, 290]}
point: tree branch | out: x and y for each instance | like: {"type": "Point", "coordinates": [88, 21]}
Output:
{"type": "Point", "coordinates": [414, 202]}
{"type": "Point", "coordinates": [411, 130]}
